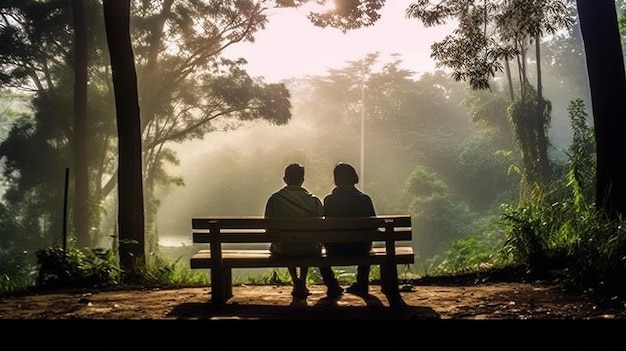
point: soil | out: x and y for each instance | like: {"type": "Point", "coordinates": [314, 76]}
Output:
{"type": "Point", "coordinates": [133, 318]}
{"type": "Point", "coordinates": [431, 300]}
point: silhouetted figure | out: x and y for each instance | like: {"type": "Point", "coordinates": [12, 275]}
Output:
{"type": "Point", "coordinates": [346, 200]}
{"type": "Point", "coordinates": [295, 201]}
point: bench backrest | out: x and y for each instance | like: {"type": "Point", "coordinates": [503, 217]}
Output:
{"type": "Point", "coordinates": [306, 229]}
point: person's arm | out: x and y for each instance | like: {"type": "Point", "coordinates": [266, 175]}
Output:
{"type": "Point", "coordinates": [319, 208]}
{"type": "Point", "coordinates": [369, 206]}
{"type": "Point", "coordinates": [269, 209]}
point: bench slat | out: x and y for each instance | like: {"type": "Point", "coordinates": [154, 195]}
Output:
{"type": "Point", "coordinates": [263, 258]}
{"type": "Point", "coordinates": [302, 223]}
{"type": "Point", "coordinates": [400, 234]}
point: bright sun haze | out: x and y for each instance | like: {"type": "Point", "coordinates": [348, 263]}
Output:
{"type": "Point", "coordinates": [291, 46]}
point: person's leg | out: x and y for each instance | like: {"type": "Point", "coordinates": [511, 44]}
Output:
{"type": "Point", "coordinates": [293, 273]}
{"type": "Point", "coordinates": [300, 290]}
{"type": "Point", "coordinates": [333, 289]}
{"type": "Point", "coordinates": [363, 276]}
{"type": "Point", "coordinates": [295, 281]}
{"type": "Point", "coordinates": [361, 286]}
{"type": "Point", "coordinates": [304, 271]}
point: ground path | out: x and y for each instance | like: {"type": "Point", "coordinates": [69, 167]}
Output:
{"type": "Point", "coordinates": [498, 300]}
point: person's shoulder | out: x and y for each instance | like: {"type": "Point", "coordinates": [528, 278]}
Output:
{"type": "Point", "coordinates": [273, 196]}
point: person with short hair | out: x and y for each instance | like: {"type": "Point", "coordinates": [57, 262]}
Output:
{"type": "Point", "coordinates": [293, 200]}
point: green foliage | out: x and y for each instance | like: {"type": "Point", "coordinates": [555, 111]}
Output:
{"type": "Point", "coordinates": [521, 114]}
{"type": "Point", "coordinates": [161, 271]}
{"type": "Point", "coordinates": [481, 165]}
{"type": "Point", "coordinates": [581, 153]}
{"type": "Point", "coordinates": [99, 268]}
{"type": "Point", "coordinates": [280, 276]}
{"type": "Point", "coordinates": [553, 227]}
{"type": "Point", "coordinates": [474, 253]}
{"type": "Point", "coordinates": [586, 243]}
{"type": "Point", "coordinates": [345, 15]}
{"type": "Point", "coordinates": [530, 232]}
{"type": "Point", "coordinates": [544, 230]}
{"type": "Point", "coordinates": [440, 217]}
{"type": "Point", "coordinates": [76, 268]}
{"type": "Point", "coordinates": [620, 6]}
{"type": "Point", "coordinates": [188, 89]}
{"type": "Point", "coordinates": [17, 271]}
{"type": "Point", "coordinates": [488, 33]}
{"type": "Point", "coordinates": [599, 258]}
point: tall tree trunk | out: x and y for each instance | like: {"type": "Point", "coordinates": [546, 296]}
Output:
{"type": "Point", "coordinates": [130, 186]}
{"type": "Point", "coordinates": [79, 147]}
{"type": "Point", "coordinates": [509, 79]}
{"type": "Point", "coordinates": [542, 138]}
{"type": "Point", "coordinates": [605, 67]}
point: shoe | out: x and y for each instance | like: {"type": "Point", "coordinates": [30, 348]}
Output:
{"type": "Point", "coordinates": [334, 292]}
{"type": "Point", "coordinates": [358, 290]}
{"type": "Point", "coordinates": [300, 293]}
{"type": "Point", "coordinates": [300, 290]}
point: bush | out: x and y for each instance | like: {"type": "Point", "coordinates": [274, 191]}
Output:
{"type": "Point", "coordinates": [76, 268]}
{"type": "Point", "coordinates": [18, 270]}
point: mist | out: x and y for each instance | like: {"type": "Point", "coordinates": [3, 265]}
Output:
{"type": "Point", "coordinates": [423, 154]}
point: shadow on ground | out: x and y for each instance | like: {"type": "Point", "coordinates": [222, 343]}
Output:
{"type": "Point", "coordinates": [373, 308]}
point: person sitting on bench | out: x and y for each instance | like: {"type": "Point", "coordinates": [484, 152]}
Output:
{"type": "Point", "coordinates": [346, 200]}
{"type": "Point", "coordinates": [295, 201]}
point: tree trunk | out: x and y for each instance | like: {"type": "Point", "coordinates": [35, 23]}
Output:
{"type": "Point", "coordinates": [542, 138]}
{"type": "Point", "coordinates": [79, 147]}
{"type": "Point", "coordinates": [509, 80]}
{"type": "Point", "coordinates": [605, 67]}
{"type": "Point", "coordinates": [130, 186]}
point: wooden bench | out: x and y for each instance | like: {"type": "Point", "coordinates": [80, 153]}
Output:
{"type": "Point", "coordinates": [384, 231]}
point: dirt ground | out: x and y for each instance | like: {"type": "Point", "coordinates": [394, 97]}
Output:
{"type": "Point", "coordinates": [488, 301]}
{"type": "Point", "coordinates": [449, 315]}
{"type": "Point", "coordinates": [460, 313]}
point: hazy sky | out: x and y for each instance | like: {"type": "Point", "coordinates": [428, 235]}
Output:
{"type": "Point", "coordinates": [291, 46]}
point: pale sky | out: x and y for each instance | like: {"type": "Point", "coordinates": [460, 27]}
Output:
{"type": "Point", "coordinates": [291, 46]}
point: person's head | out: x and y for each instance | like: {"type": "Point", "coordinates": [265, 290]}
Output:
{"type": "Point", "coordinates": [294, 174]}
{"type": "Point", "coordinates": [345, 174]}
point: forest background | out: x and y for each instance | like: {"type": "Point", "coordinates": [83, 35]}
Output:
{"type": "Point", "coordinates": [454, 148]}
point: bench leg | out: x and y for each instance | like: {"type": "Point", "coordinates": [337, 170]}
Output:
{"type": "Point", "coordinates": [389, 285]}
{"type": "Point", "coordinates": [218, 292]}
{"type": "Point", "coordinates": [228, 283]}
{"type": "Point", "coordinates": [221, 286]}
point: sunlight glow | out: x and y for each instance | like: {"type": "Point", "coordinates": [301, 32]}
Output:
{"type": "Point", "coordinates": [291, 46]}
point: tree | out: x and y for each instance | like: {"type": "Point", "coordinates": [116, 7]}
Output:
{"type": "Point", "coordinates": [475, 55]}
{"type": "Point", "coordinates": [186, 91]}
{"type": "Point", "coordinates": [35, 152]}
{"type": "Point", "coordinates": [80, 130]}
{"type": "Point", "coordinates": [605, 67]}
{"type": "Point", "coordinates": [130, 187]}
{"type": "Point", "coordinates": [601, 34]}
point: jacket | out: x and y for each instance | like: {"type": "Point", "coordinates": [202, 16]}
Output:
{"type": "Point", "coordinates": [294, 201]}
